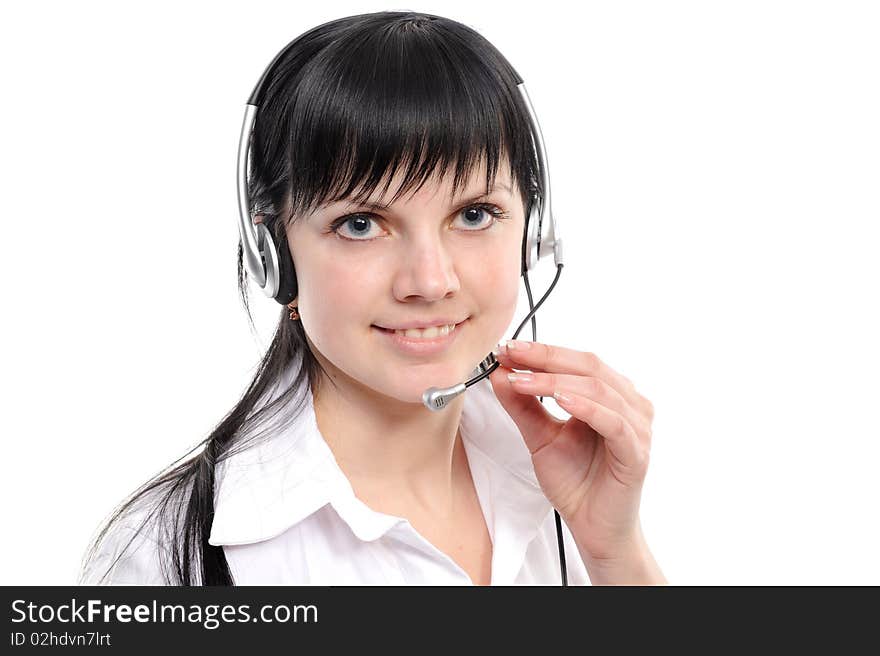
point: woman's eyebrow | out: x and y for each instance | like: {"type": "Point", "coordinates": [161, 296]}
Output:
{"type": "Point", "coordinates": [472, 199]}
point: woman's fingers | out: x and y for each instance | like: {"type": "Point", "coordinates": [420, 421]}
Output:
{"type": "Point", "coordinates": [595, 389]}
{"type": "Point", "coordinates": [536, 357]}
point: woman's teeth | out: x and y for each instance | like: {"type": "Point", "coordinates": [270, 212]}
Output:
{"type": "Point", "coordinates": [427, 333]}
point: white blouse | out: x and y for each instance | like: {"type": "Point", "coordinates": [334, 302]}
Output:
{"type": "Point", "coordinates": [286, 514]}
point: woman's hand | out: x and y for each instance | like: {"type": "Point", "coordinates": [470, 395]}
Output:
{"type": "Point", "coordinates": [591, 468]}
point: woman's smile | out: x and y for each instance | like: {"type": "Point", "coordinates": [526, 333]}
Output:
{"type": "Point", "coordinates": [433, 340]}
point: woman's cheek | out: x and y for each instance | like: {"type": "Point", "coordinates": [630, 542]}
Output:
{"type": "Point", "coordinates": [499, 296]}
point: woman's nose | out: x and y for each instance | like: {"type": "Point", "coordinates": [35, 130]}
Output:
{"type": "Point", "coordinates": [427, 270]}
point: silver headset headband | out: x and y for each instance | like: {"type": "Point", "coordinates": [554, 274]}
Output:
{"type": "Point", "coordinates": [551, 242]}
{"type": "Point", "coordinates": [258, 245]}
{"type": "Point", "coordinates": [252, 255]}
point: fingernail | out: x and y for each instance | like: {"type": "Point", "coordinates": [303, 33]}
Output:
{"type": "Point", "coordinates": [562, 398]}
{"type": "Point", "coordinates": [516, 344]}
{"type": "Point", "coordinates": [519, 378]}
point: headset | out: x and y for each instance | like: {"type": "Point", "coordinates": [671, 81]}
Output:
{"type": "Point", "coordinates": [272, 268]}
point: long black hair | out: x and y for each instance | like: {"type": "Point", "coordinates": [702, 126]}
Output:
{"type": "Point", "coordinates": [348, 103]}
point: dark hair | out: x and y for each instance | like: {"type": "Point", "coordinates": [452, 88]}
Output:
{"type": "Point", "coordinates": [349, 102]}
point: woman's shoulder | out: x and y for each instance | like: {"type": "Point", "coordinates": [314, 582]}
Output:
{"type": "Point", "coordinates": [133, 547]}
{"type": "Point", "coordinates": [125, 555]}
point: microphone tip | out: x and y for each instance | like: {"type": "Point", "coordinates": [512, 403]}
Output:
{"type": "Point", "coordinates": [436, 398]}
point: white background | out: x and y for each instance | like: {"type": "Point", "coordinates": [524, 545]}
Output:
{"type": "Point", "coordinates": [715, 170]}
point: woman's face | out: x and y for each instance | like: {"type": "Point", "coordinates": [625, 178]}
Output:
{"type": "Point", "coordinates": [426, 258]}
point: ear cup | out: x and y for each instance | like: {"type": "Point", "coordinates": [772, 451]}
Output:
{"type": "Point", "coordinates": [268, 259]}
{"type": "Point", "coordinates": [531, 237]}
{"type": "Point", "coordinates": [525, 242]}
{"type": "Point", "coordinates": [287, 286]}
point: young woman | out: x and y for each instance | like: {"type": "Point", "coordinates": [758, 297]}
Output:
{"type": "Point", "coordinates": [393, 158]}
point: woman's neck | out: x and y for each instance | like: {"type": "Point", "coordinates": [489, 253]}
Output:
{"type": "Point", "coordinates": [401, 456]}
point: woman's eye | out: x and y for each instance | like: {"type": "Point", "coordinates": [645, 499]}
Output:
{"type": "Point", "coordinates": [476, 215]}
{"type": "Point", "coordinates": [357, 224]}
{"type": "Point", "coordinates": [357, 227]}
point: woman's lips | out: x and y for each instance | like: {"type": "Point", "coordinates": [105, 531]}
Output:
{"type": "Point", "coordinates": [421, 346]}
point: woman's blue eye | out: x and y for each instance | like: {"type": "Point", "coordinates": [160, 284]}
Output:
{"type": "Point", "coordinates": [475, 214]}
{"type": "Point", "coordinates": [358, 225]}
